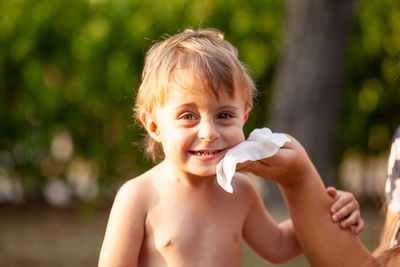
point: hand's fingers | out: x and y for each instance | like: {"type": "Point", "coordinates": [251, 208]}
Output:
{"type": "Point", "coordinates": [284, 154]}
{"type": "Point", "coordinates": [244, 165]}
{"type": "Point", "coordinates": [342, 200]}
{"type": "Point", "coordinates": [331, 192]}
{"type": "Point", "coordinates": [351, 220]}
{"type": "Point", "coordinates": [279, 158]}
{"type": "Point", "coordinates": [344, 211]}
{"type": "Point", "coordinates": [283, 166]}
{"type": "Point", "coordinates": [359, 226]}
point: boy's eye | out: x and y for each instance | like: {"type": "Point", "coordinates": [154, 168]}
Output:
{"type": "Point", "coordinates": [224, 116]}
{"type": "Point", "coordinates": [187, 116]}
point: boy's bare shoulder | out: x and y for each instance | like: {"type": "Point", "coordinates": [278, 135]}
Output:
{"type": "Point", "coordinates": [140, 182]}
{"type": "Point", "coordinates": [140, 188]}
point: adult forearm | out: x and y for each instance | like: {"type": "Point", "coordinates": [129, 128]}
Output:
{"type": "Point", "coordinates": [322, 241]}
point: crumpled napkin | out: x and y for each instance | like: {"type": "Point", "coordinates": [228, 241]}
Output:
{"type": "Point", "coordinates": [260, 144]}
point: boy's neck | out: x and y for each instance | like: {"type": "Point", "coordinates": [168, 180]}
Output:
{"type": "Point", "coordinates": [177, 175]}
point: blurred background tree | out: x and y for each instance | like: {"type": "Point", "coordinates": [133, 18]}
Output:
{"type": "Point", "coordinates": [69, 70]}
{"type": "Point", "coordinates": [310, 75]}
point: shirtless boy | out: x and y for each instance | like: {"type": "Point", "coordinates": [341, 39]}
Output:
{"type": "Point", "coordinates": [194, 99]}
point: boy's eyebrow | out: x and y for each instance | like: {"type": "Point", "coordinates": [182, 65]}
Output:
{"type": "Point", "coordinates": [229, 107]}
{"type": "Point", "coordinates": [184, 105]}
{"type": "Point", "coordinates": [191, 104]}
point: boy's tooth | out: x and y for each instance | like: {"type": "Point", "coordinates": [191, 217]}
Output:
{"type": "Point", "coordinates": [206, 153]}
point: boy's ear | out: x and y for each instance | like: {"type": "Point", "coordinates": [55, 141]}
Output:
{"type": "Point", "coordinates": [246, 115]}
{"type": "Point", "coordinates": [151, 127]}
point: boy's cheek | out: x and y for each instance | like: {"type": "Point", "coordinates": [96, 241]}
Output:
{"type": "Point", "coordinates": [237, 137]}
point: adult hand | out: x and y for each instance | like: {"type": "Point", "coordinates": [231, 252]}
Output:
{"type": "Point", "coordinates": [288, 166]}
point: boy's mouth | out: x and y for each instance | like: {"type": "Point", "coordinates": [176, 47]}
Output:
{"type": "Point", "coordinates": [205, 152]}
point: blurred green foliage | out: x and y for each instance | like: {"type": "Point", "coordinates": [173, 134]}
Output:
{"type": "Point", "coordinates": [70, 68]}
{"type": "Point", "coordinates": [371, 96]}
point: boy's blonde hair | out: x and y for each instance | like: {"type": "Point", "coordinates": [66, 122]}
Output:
{"type": "Point", "coordinates": [211, 62]}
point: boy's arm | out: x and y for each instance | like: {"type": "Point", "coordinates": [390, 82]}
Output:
{"type": "Point", "coordinates": [275, 243]}
{"type": "Point", "coordinates": [322, 241]}
{"type": "Point", "coordinates": [125, 229]}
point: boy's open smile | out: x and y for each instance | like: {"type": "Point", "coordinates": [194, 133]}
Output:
{"type": "Point", "coordinates": [206, 153]}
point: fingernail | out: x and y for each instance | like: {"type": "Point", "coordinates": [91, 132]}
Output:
{"type": "Point", "coordinates": [334, 218]}
{"type": "Point", "coordinates": [344, 225]}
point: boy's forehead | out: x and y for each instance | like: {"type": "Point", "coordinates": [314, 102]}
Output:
{"type": "Point", "coordinates": [198, 83]}
{"type": "Point", "coordinates": [188, 96]}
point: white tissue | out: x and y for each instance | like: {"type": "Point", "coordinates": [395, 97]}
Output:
{"type": "Point", "coordinates": [260, 144]}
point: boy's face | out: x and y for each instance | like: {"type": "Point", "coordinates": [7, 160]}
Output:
{"type": "Point", "coordinates": [197, 130]}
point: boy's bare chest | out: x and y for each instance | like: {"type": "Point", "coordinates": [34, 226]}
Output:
{"type": "Point", "coordinates": [195, 226]}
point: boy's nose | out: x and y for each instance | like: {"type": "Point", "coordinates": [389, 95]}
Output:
{"type": "Point", "coordinates": [207, 131]}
